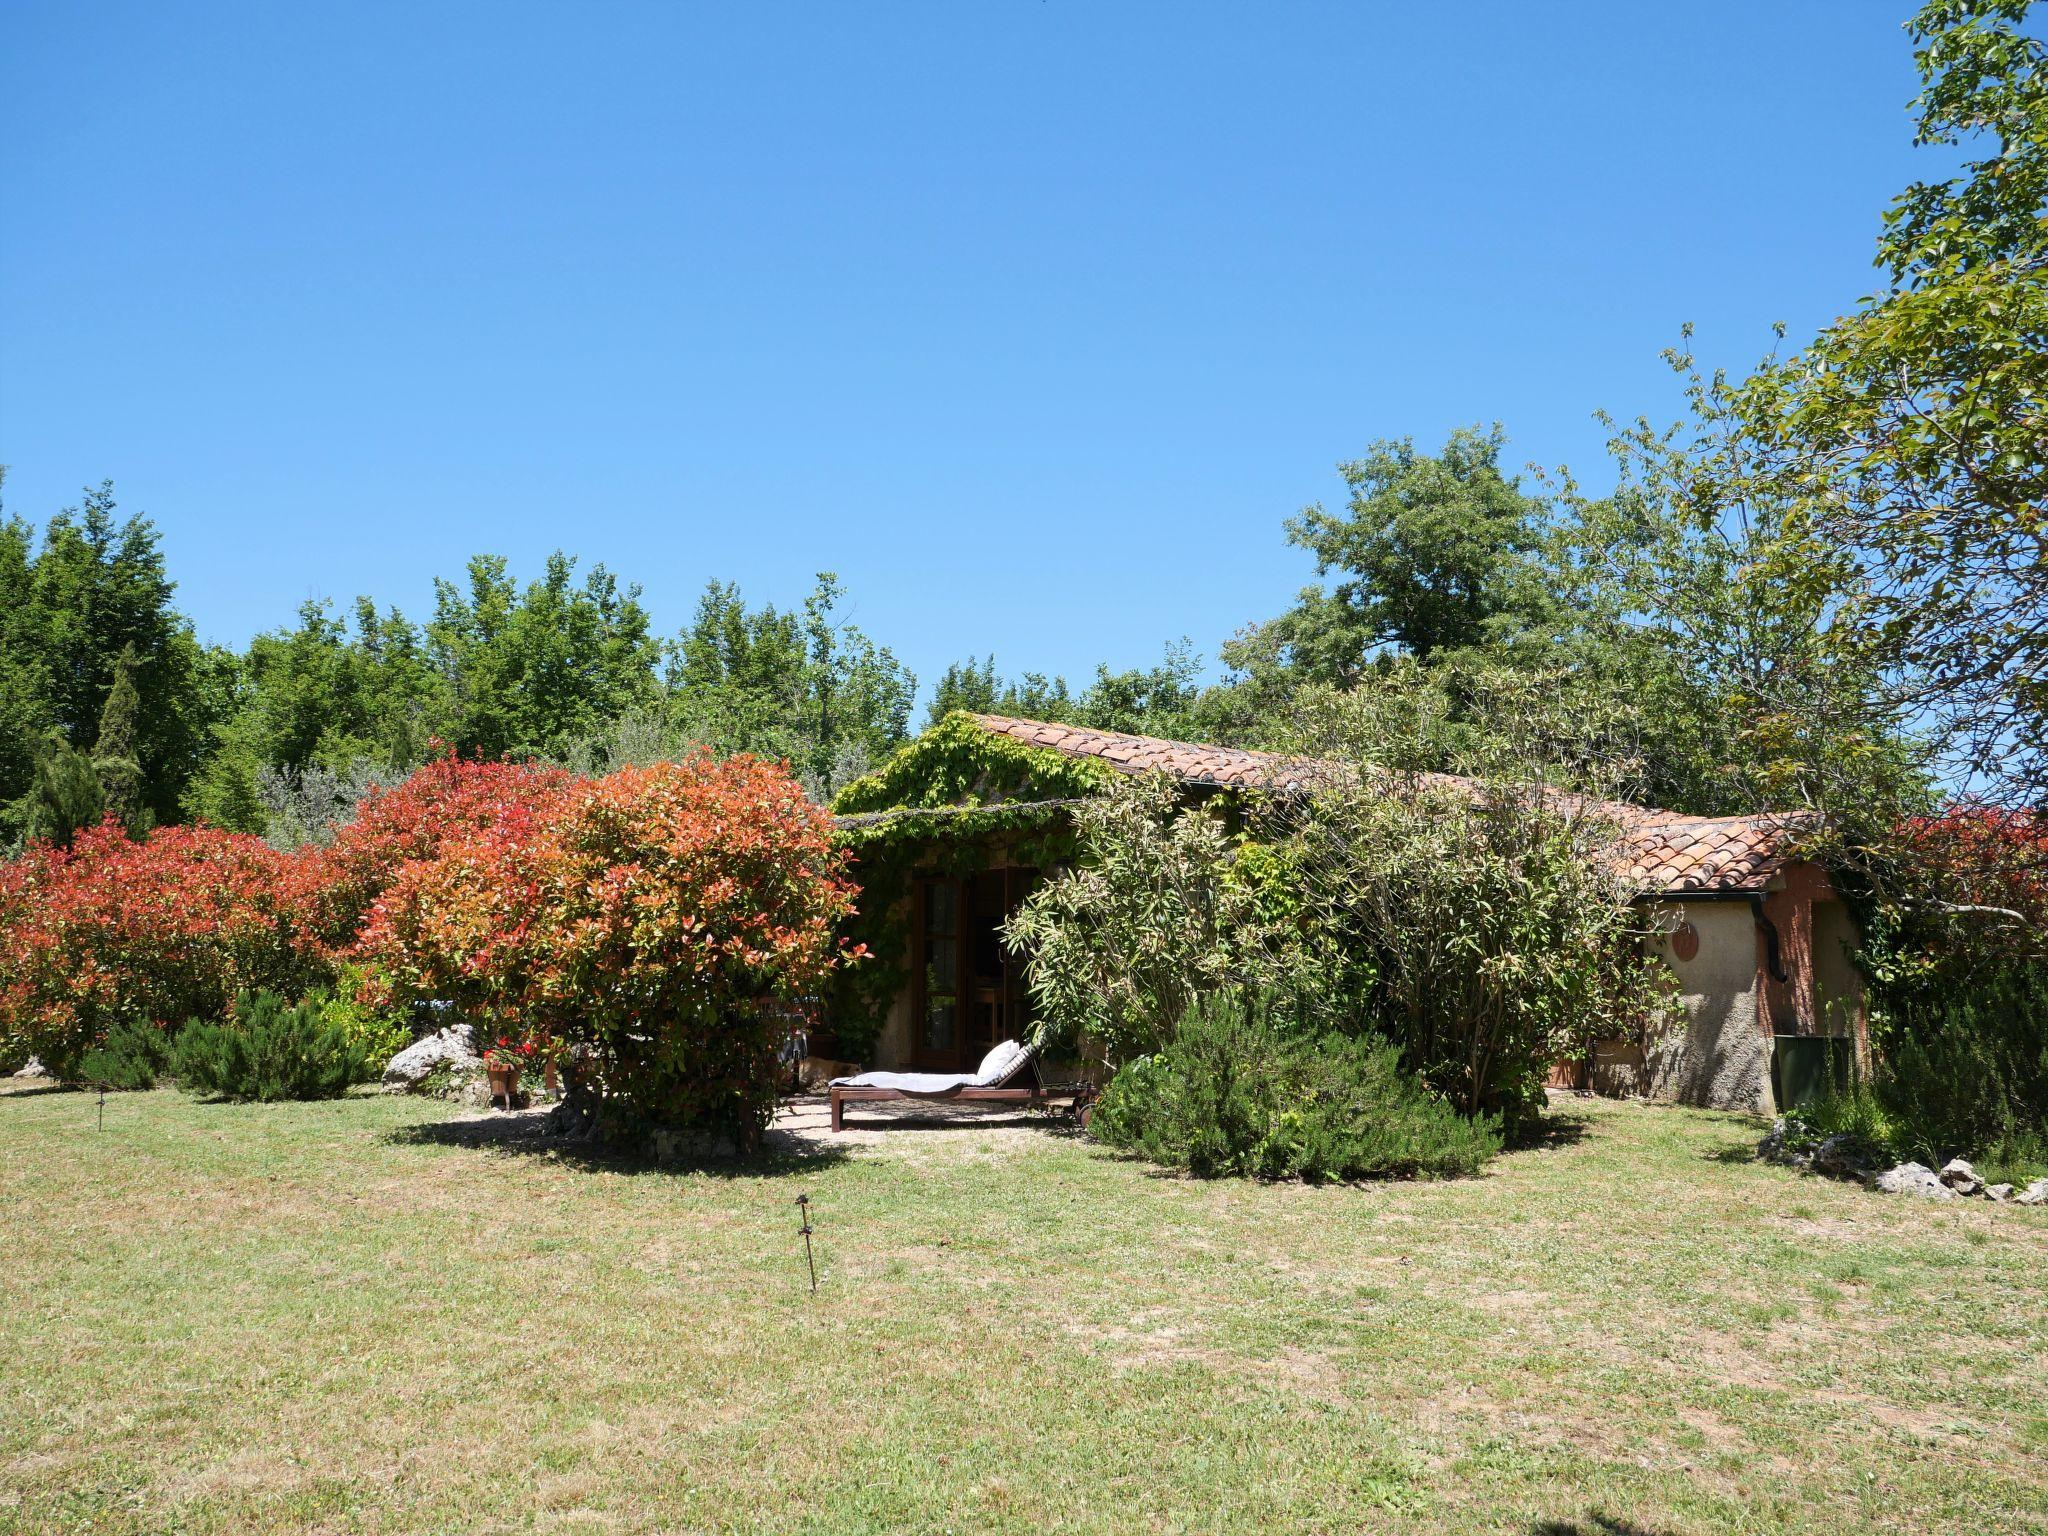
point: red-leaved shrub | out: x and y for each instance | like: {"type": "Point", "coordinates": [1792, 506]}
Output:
{"type": "Point", "coordinates": [150, 932]}
{"type": "Point", "coordinates": [446, 801]}
{"type": "Point", "coordinates": [658, 918]}
{"type": "Point", "coordinates": [1971, 901]}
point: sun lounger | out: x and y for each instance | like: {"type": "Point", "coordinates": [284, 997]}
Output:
{"type": "Point", "coordinates": [1007, 1075]}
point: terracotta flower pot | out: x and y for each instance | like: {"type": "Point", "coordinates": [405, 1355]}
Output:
{"type": "Point", "coordinates": [504, 1083]}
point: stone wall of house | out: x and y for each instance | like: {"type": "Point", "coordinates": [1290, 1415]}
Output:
{"type": "Point", "coordinates": [1838, 985]}
{"type": "Point", "coordinates": [1722, 1057]}
{"type": "Point", "coordinates": [893, 1045]}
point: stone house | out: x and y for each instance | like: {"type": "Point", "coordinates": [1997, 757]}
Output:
{"type": "Point", "coordinates": [1759, 941]}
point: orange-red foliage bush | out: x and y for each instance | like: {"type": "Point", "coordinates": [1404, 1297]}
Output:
{"type": "Point", "coordinates": [658, 918]}
{"type": "Point", "coordinates": [1976, 885]}
{"type": "Point", "coordinates": [446, 801]}
{"type": "Point", "coordinates": [150, 932]}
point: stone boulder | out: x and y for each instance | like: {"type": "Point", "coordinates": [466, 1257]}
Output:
{"type": "Point", "coordinates": [33, 1068]}
{"type": "Point", "coordinates": [1846, 1157]}
{"type": "Point", "coordinates": [1961, 1177]}
{"type": "Point", "coordinates": [1915, 1179]}
{"type": "Point", "coordinates": [451, 1047]}
{"type": "Point", "coordinates": [2035, 1193]}
{"type": "Point", "coordinates": [1784, 1142]}
{"type": "Point", "coordinates": [1999, 1192]}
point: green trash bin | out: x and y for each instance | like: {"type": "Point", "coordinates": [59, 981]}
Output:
{"type": "Point", "coordinates": [1802, 1066]}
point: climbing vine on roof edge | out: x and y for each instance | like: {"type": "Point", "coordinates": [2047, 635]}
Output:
{"type": "Point", "coordinates": [959, 762]}
{"type": "Point", "coordinates": [995, 789]}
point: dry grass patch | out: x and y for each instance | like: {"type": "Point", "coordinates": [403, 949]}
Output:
{"type": "Point", "coordinates": [355, 1317]}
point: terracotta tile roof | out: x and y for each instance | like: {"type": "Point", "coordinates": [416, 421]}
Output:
{"type": "Point", "coordinates": [1666, 852]}
{"type": "Point", "coordinates": [1710, 853]}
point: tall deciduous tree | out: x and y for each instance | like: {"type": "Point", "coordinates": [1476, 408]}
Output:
{"type": "Point", "coordinates": [1425, 552]}
{"type": "Point", "coordinates": [532, 670]}
{"type": "Point", "coordinates": [975, 686]}
{"type": "Point", "coordinates": [1905, 444]}
{"type": "Point", "coordinates": [804, 685]}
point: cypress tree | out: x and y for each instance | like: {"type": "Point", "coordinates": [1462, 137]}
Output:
{"type": "Point", "coordinates": [114, 760]}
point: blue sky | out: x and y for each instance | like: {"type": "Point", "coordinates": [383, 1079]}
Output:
{"type": "Point", "coordinates": [1032, 320]}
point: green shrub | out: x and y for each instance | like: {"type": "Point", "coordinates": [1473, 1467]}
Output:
{"type": "Point", "coordinates": [379, 1033]}
{"type": "Point", "coordinates": [133, 1056]}
{"type": "Point", "coordinates": [1239, 1092]}
{"type": "Point", "coordinates": [270, 1050]}
{"type": "Point", "coordinates": [1966, 1073]}
{"type": "Point", "coordinates": [1854, 1111]}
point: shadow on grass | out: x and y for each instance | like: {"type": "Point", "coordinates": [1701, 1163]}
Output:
{"type": "Point", "coordinates": [528, 1135]}
{"type": "Point", "coordinates": [1049, 1125]}
{"type": "Point", "coordinates": [1595, 1524]}
{"type": "Point", "coordinates": [1552, 1130]}
{"type": "Point", "coordinates": [30, 1088]}
{"type": "Point", "coordinates": [1735, 1154]}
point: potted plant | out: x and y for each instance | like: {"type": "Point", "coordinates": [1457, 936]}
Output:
{"type": "Point", "coordinates": [502, 1064]}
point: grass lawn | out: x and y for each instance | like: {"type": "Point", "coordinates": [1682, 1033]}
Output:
{"type": "Point", "coordinates": [338, 1317]}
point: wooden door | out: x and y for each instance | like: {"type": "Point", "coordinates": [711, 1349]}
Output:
{"type": "Point", "coordinates": [970, 992]}
{"type": "Point", "coordinates": [938, 1032]}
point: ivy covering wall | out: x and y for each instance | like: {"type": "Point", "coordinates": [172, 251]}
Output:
{"type": "Point", "coordinates": [990, 794]}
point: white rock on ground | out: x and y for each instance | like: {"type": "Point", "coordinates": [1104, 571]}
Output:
{"type": "Point", "coordinates": [1960, 1177]}
{"type": "Point", "coordinates": [409, 1067]}
{"type": "Point", "coordinates": [2035, 1193]}
{"type": "Point", "coordinates": [33, 1068]}
{"type": "Point", "coordinates": [1915, 1179]}
{"type": "Point", "coordinates": [1998, 1191]}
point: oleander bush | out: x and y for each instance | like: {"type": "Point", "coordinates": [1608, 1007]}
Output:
{"type": "Point", "coordinates": [1477, 924]}
{"type": "Point", "coordinates": [1242, 1090]}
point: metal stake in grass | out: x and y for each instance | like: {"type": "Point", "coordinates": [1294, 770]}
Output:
{"type": "Point", "coordinates": [103, 1106]}
{"type": "Point", "coordinates": [803, 1205]}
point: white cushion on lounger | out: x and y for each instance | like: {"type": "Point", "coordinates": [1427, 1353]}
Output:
{"type": "Point", "coordinates": [998, 1064]}
{"type": "Point", "coordinates": [907, 1082]}
{"type": "Point", "coordinates": [995, 1066]}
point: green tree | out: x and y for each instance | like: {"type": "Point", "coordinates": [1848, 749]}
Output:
{"type": "Point", "coordinates": [68, 611]}
{"type": "Point", "coordinates": [804, 686]}
{"type": "Point", "coordinates": [976, 687]}
{"type": "Point", "coordinates": [63, 792]}
{"type": "Point", "coordinates": [1426, 551]}
{"type": "Point", "coordinates": [1160, 700]}
{"type": "Point", "coordinates": [1904, 444]}
{"type": "Point", "coordinates": [530, 672]}
{"type": "Point", "coordinates": [114, 761]}
{"type": "Point", "coordinates": [24, 694]}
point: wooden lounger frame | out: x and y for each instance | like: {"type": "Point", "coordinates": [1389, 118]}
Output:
{"type": "Point", "coordinates": [841, 1097]}
{"type": "Point", "coordinates": [1081, 1096]}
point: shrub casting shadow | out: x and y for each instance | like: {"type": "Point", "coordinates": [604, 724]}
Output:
{"type": "Point", "coordinates": [34, 1089]}
{"type": "Point", "coordinates": [527, 1135]}
{"type": "Point", "coordinates": [1552, 1130]}
{"type": "Point", "coordinates": [1595, 1524]}
{"type": "Point", "coordinates": [1048, 1125]}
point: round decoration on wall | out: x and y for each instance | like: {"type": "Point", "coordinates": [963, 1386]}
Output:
{"type": "Point", "coordinates": [1685, 941]}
